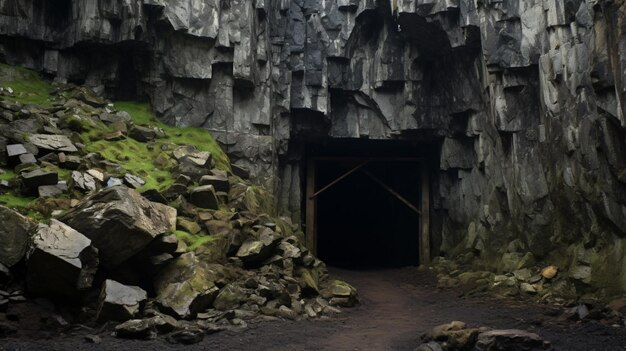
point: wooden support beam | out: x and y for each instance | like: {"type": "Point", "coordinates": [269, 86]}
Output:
{"type": "Point", "coordinates": [338, 179]}
{"type": "Point", "coordinates": [425, 216]}
{"type": "Point", "coordinates": [393, 192]}
{"type": "Point", "coordinates": [311, 209]}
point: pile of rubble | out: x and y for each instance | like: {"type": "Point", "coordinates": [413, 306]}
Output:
{"type": "Point", "coordinates": [457, 336]}
{"type": "Point", "coordinates": [198, 255]}
{"type": "Point", "coordinates": [529, 281]}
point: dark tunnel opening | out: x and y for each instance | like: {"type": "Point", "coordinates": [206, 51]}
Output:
{"type": "Point", "coordinates": [363, 225]}
{"type": "Point", "coordinates": [370, 218]}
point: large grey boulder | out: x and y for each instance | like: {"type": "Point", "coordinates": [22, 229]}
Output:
{"type": "Point", "coordinates": [119, 302]}
{"type": "Point", "coordinates": [186, 286]}
{"type": "Point", "coordinates": [15, 232]}
{"type": "Point", "coordinates": [120, 222]}
{"type": "Point", "coordinates": [62, 261]}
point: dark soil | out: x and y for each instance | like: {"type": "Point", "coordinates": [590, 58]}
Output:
{"type": "Point", "coordinates": [398, 306]}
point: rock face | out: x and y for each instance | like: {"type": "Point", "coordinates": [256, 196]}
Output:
{"type": "Point", "coordinates": [15, 236]}
{"type": "Point", "coordinates": [120, 222]}
{"type": "Point", "coordinates": [62, 262]}
{"type": "Point", "coordinates": [523, 101]}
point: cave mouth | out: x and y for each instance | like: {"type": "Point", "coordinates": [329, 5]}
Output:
{"type": "Point", "coordinates": [371, 217]}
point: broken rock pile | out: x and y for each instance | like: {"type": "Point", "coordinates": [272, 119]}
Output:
{"type": "Point", "coordinates": [182, 246]}
{"type": "Point", "coordinates": [457, 336]}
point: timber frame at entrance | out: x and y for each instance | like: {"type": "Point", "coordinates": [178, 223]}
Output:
{"type": "Point", "coordinates": [423, 211]}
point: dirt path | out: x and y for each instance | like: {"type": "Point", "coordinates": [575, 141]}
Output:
{"type": "Point", "coordinates": [397, 307]}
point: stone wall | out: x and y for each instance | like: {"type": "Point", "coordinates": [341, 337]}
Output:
{"type": "Point", "coordinates": [525, 100]}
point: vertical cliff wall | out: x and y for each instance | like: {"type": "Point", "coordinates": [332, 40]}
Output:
{"type": "Point", "coordinates": [523, 99]}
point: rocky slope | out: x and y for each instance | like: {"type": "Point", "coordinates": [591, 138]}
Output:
{"type": "Point", "coordinates": [522, 99]}
{"type": "Point", "coordinates": [128, 218]}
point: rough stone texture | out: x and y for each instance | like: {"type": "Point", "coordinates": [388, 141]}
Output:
{"type": "Point", "coordinates": [523, 99]}
{"type": "Point", "coordinates": [119, 302]}
{"type": "Point", "coordinates": [510, 339]}
{"type": "Point", "coordinates": [62, 262]}
{"type": "Point", "coordinates": [186, 286]}
{"type": "Point", "coordinates": [15, 236]}
{"type": "Point", "coordinates": [120, 222]}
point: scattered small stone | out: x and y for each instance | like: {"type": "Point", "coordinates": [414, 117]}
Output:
{"type": "Point", "coordinates": [133, 181]}
{"type": "Point", "coordinates": [549, 272]}
{"type": "Point", "coordinates": [528, 288]}
{"type": "Point", "coordinates": [96, 174]}
{"type": "Point", "coordinates": [94, 339]}
{"type": "Point", "coordinates": [186, 336]}
{"type": "Point", "coordinates": [114, 182]}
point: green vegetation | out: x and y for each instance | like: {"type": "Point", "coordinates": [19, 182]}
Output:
{"type": "Point", "coordinates": [7, 175]}
{"type": "Point", "coordinates": [150, 161]}
{"type": "Point", "coordinates": [28, 87]}
{"type": "Point", "coordinates": [193, 241]}
{"type": "Point", "coordinates": [15, 201]}
{"type": "Point", "coordinates": [200, 138]}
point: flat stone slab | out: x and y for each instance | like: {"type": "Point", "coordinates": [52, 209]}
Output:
{"type": "Point", "coordinates": [52, 142]}
{"type": "Point", "coordinates": [16, 150]}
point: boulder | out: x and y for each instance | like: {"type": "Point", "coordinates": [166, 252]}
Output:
{"type": "Point", "coordinates": [38, 177]}
{"type": "Point", "coordinates": [51, 142]}
{"type": "Point", "coordinates": [219, 181]}
{"type": "Point", "coordinates": [62, 261]}
{"type": "Point", "coordinates": [119, 302]}
{"type": "Point", "coordinates": [84, 181]}
{"type": "Point", "coordinates": [15, 233]}
{"type": "Point", "coordinates": [27, 159]}
{"type": "Point", "coordinates": [52, 190]}
{"type": "Point", "coordinates": [133, 181]}
{"type": "Point", "coordinates": [510, 340]}
{"type": "Point", "coordinates": [230, 297]}
{"type": "Point", "coordinates": [192, 154]}
{"type": "Point", "coordinates": [120, 222]}
{"type": "Point", "coordinates": [69, 161]}
{"type": "Point", "coordinates": [204, 197]}
{"type": "Point", "coordinates": [186, 286]}
{"type": "Point", "coordinates": [142, 134]}
{"type": "Point", "coordinates": [15, 150]}
{"type": "Point", "coordinates": [343, 294]}
{"type": "Point", "coordinates": [455, 335]}
{"type": "Point", "coordinates": [254, 251]}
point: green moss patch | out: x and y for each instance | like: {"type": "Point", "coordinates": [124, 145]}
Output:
{"type": "Point", "coordinates": [28, 87]}
{"type": "Point", "coordinates": [7, 174]}
{"type": "Point", "coordinates": [200, 138]}
{"type": "Point", "coordinates": [15, 201]}
{"type": "Point", "coordinates": [193, 241]}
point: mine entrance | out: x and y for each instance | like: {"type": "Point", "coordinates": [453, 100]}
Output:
{"type": "Point", "coordinates": [369, 210]}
